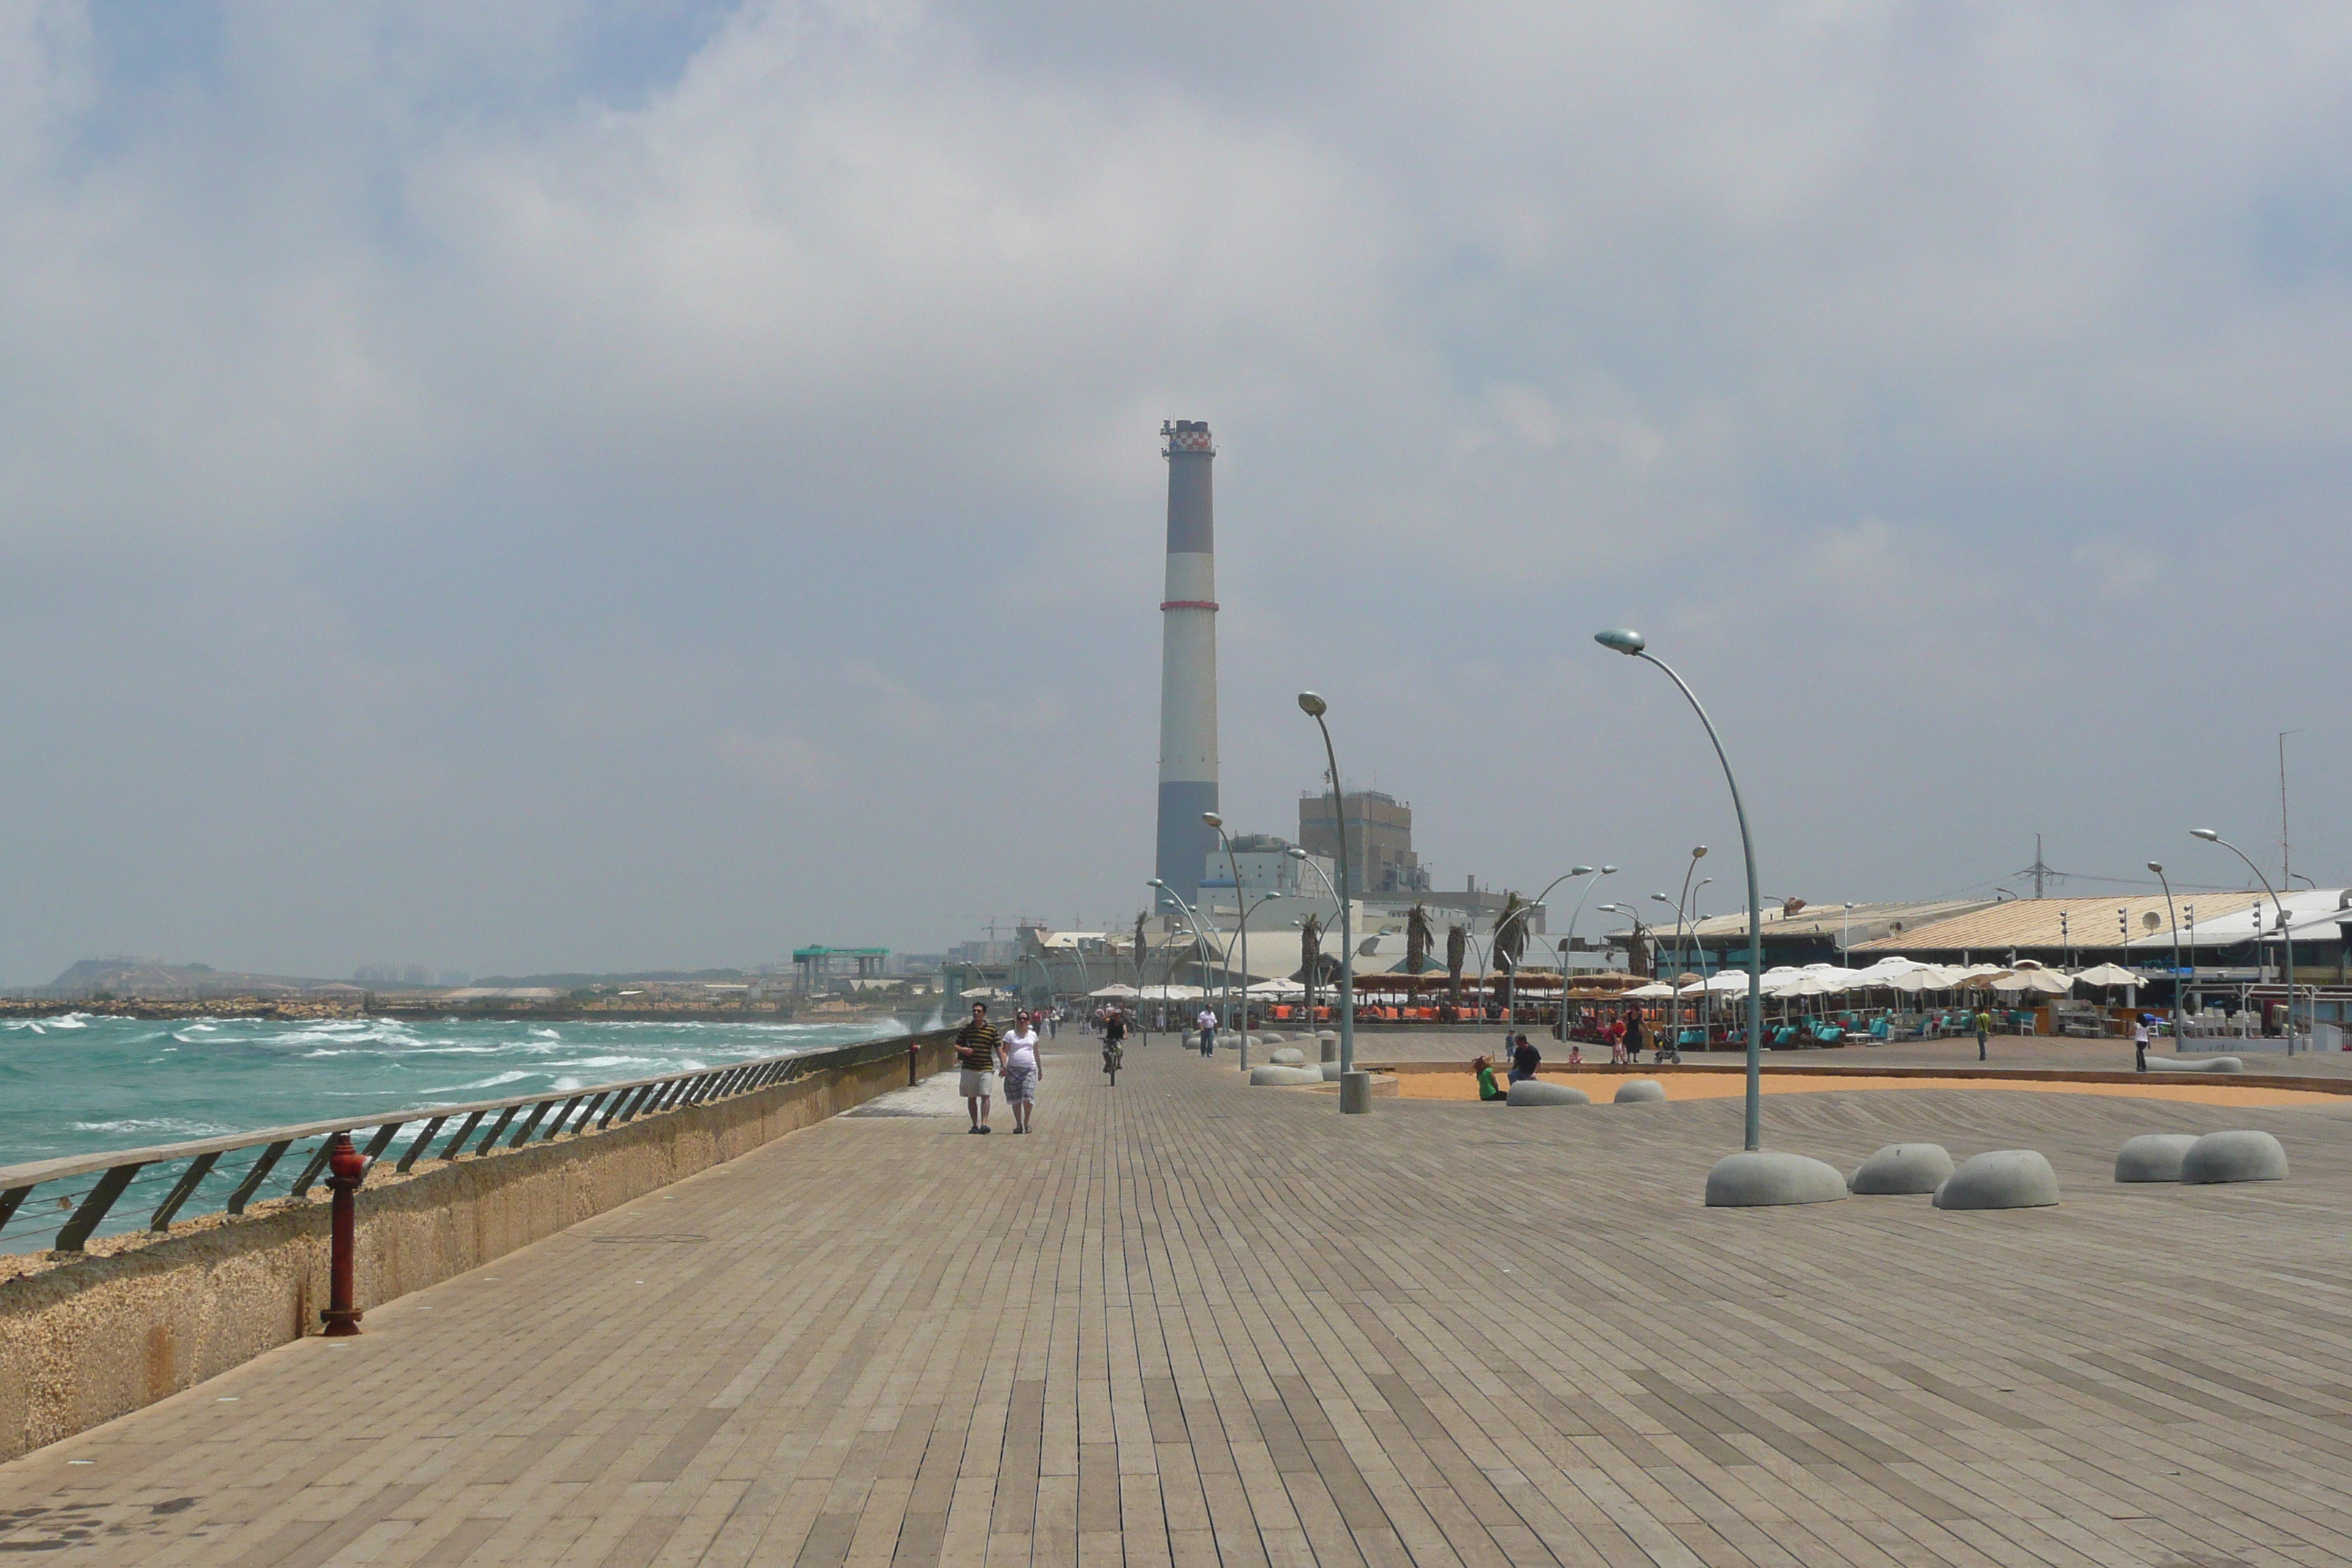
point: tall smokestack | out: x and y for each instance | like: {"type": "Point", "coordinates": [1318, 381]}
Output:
{"type": "Point", "coordinates": [1187, 662]}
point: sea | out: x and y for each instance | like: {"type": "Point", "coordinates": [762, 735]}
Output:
{"type": "Point", "coordinates": [85, 1083]}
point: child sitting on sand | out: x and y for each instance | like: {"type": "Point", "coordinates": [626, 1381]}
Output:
{"type": "Point", "coordinates": [1488, 1089]}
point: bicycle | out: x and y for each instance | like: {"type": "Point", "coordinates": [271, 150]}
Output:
{"type": "Point", "coordinates": [1111, 1057]}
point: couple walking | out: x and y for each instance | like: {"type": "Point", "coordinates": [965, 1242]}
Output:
{"type": "Point", "coordinates": [979, 1048]}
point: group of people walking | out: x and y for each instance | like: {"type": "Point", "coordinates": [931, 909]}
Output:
{"type": "Point", "coordinates": [982, 1050]}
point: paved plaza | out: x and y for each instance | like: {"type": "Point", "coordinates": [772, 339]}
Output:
{"type": "Point", "coordinates": [1190, 1324]}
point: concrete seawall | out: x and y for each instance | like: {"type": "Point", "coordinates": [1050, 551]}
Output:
{"type": "Point", "coordinates": [128, 1324]}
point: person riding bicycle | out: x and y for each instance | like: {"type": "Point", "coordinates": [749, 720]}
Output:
{"type": "Point", "coordinates": [1114, 1032]}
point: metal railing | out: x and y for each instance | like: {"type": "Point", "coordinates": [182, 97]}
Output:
{"type": "Point", "coordinates": [287, 1161]}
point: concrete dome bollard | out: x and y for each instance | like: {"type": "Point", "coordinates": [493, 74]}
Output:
{"type": "Point", "coordinates": [1271, 1039]}
{"type": "Point", "coordinates": [2152, 1156]}
{"type": "Point", "coordinates": [1283, 1077]}
{"type": "Point", "coordinates": [2234, 1157]}
{"type": "Point", "coordinates": [1640, 1092]}
{"type": "Point", "coordinates": [1759, 1178]}
{"type": "Point", "coordinates": [1535, 1091]}
{"type": "Point", "coordinates": [1330, 1068]}
{"type": "Point", "coordinates": [2210, 1064]}
{"type": "Point", "coordinates": [1901, 1169]}
{"type": "Point", "coordinates": [2003, 1179]}
{"type": "Point", "coordinates": [1288, 1057]}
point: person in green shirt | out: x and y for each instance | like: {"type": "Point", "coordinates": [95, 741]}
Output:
{"type": "Point", "coordinates": [1488, 1090]}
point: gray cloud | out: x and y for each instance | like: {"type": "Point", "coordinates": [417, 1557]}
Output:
{"type": "Point", "coordinates": [520, 486]}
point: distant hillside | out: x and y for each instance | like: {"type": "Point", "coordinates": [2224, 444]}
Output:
{"type": "Point", "coordinates": [630, 977]}
{"type": "Point", "coordinates": [126, 976]}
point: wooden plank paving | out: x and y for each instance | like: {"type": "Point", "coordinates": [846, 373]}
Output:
{"type": "Point", "coordinates": [1192, 1325]}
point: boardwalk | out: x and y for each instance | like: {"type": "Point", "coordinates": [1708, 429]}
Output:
{"type": "Point", "coordinates": [1191, 1324]}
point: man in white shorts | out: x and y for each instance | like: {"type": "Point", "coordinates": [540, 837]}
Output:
{"type": "Point", "coordinates": [976, 1055]}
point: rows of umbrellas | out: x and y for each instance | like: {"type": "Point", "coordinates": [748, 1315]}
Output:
{"type": "Point", "coordinates": [1899, 974]}
{"type": "Point", "coordinates": [1276, 990]}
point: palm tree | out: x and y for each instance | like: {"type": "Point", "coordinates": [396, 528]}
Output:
{"type": "Point", "coordinates": [1310, 960]}
{"type": "Point", "coordinates": [1417, 929]}
{"type": "Point", "coordinates": [1510, 942]}
{"type": "Point", "coordinates": [1510, 932]}
{"type": "Point", "coordinates": [1457, 948]}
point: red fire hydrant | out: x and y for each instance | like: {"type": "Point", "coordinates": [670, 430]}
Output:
{"type": "Point", "coordinates": [346, 1167]}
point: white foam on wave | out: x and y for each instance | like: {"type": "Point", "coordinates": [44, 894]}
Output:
{"type": "Point", "coordinates": [178, 1125]}
{"type": "Point", "coordinates": [504, 1078]}
{"type": "Point", "coordinates": [71, 1021]}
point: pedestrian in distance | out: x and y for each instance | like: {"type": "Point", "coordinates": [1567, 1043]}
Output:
{"type": "Point", "coordinates": [2140, 1043]}
{"type": "Point", "coordinates": [975, 1051]}
{"type": "Point", "coordinates": [1984, 1030]}
{"type": "Point", "coordinates": [1208, 1023]}
{"type": "Point", "coordinates": [1634, 1037]}
{"type": "Point", "coordinates": [1025, 1069]}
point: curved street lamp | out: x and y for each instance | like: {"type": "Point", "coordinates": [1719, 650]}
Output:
{"type": "Point", "coordinates": [1355, 1089]}
{"type": "Point", "coordinates": [1537, 903]}
{"type": "Point", "coordinates": [2172, 917]}
{"type": "Point", "coordinates": [1199, 942]}
{"type": "Point", "coordinates": [2286, 941]}
{"type": "Point", "coordinates": [1242, 918]}
{"type": "Point", "coordinates": [1502, 950]}
{"type": "Point", "coordinates": [1262, 899]}
{"type": "Point", "coordinates": [1604, 871]}
{"type": "Point", "coordinates": [1633, 646]}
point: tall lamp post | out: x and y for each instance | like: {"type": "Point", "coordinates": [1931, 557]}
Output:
{"type": "Point", "coordinates": [1199, 941]}
{"type": "Point", "coordinates": [1633, 644]}
{"type": "Point", "coordinates": [2286, 939]}
{"type": "Point", "coordinates": [1244, 918]}
{"type": "Point", "coordinates": [1536, 904]}
{"type": "Point", "coordinates": [1240, 914]}
{"type": "Point", "coordinates": [1355, 1088]}
{"type": "Point", "coordinates": [1511, 975]}
{"type": "Point", "coordinates": [1295, 853]}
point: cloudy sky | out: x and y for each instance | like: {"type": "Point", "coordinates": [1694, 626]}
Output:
{"type": "Point", "coordinates": [516, 486]}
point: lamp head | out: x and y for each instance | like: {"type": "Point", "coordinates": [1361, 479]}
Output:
{"type": "Point", "coordinates": [1622, 639]}
{"type": "Point", "coordinates": [1156, 882]}
{"type": "Point", "coordinates": [1295, 853]}
{"type": "Point", "coordinates": [1213, 819]}
{"type": "Point", "coordinates": [1698, 852]}
{"type": "Point", "coordinates": [2207, 834]}
{"type": "Point", "coordinates": [1312, 705]}
{"type": "Point", "coordinates": [1662, 897]}
{"type": "Point", "coordinates": [1608, 870]}
{"type": "Point", "coordinates": [2157, 866]}
{"type": "Point", "coordinates": [1579, 871]}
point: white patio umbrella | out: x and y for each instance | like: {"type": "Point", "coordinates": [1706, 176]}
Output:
{"type": "Point", "coordinates": [2107, 974]}
{"type": "Point", "coordinates": [2039, 981]}
{"type": "Point", "coordinates": [1115, 991]}
{"type": "Point", "coordinates": [1925, 977]}
{"type": "Point", "coordinates": [1657, 990]}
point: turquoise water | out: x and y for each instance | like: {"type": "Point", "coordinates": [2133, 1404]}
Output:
{"type": "Point", "coordinates": [83, 1083]}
